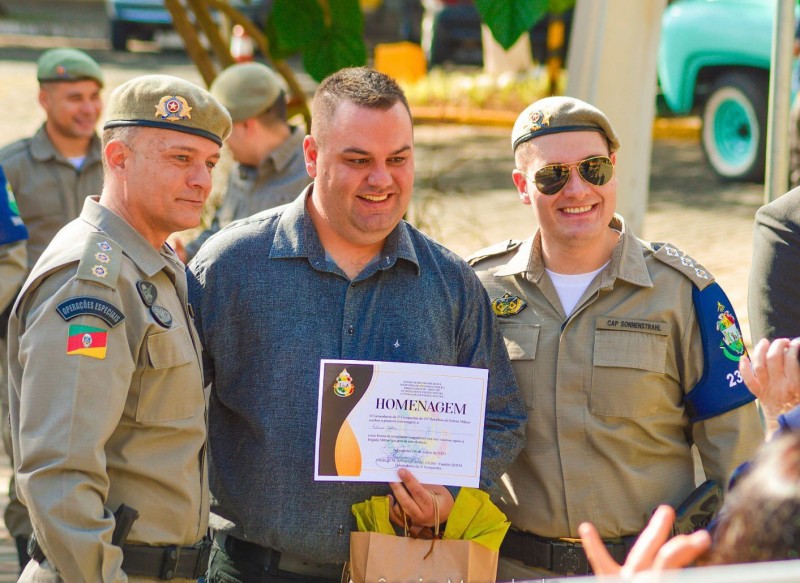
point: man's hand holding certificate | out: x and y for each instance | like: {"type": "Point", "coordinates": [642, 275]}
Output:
{"type": "Point", "coordinates": [377, 417]}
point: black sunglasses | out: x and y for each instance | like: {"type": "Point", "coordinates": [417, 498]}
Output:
{"type": "Point", "coordinates": [597, 170]}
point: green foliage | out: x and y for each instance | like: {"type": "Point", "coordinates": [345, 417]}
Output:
{"type": "Point", "coordinates": [510, 19]}
{"type": "Point", "coordinates": [327, 44]}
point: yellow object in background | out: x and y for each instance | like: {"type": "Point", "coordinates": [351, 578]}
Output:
{"type": "Point", "coordinates": [403, 61]}
{"type": "Point", "coordinates": [369, 5]}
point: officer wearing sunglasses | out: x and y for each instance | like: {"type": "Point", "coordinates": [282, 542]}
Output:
{"type": "Point", "coordinates": [626, 353]}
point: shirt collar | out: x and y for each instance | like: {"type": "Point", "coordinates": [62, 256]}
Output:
{"type": "Point", "coordinates": [296, 236]}
{"type": "Point", "coordinates": [627, 261]}
{"type": "Point", "coordinates": [42, 149]}
{"type": "Point", "coordinates": [283, 155]}
{"type": "Point", "coordinates": [136, 247]}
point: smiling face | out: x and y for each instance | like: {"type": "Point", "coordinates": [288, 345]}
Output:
{"type": "Point", "coordinates": [362, 162]}
{"type": "Point", "coordinates": [72, 107]}
{"type": "Point", "coordinates": [579, 214]}
{"type": "Point", "coordinates": [159, 180]}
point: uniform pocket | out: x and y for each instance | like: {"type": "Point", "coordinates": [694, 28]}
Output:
{"type": "Point", "coordinates": [627, 373]}
{"type": "Point", "coordinates": [171, 383]}
{"type": "Point", "coordinates": [521, 341]}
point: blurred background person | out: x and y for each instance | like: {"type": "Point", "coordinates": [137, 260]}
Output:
{"type": "Point", "coordinates": [269, 167]}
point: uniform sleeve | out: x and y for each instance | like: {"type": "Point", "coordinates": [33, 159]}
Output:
{"type": "Point", "coordinates": [72, 392]}
{"type": "Point", "coordinates": [772, 306]}
{"type": "Point", "coordinates": [724, 441]}
{"type": "Point", "coordinates": [482, 346]}
{"type": "Point", "coordinates": [13, 267]}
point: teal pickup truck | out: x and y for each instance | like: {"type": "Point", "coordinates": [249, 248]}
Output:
{"type": "Point", "coordinates": [714, 60]}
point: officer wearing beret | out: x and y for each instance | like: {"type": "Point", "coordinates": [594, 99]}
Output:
{"type": "Point", "coordinates": [625, 351]}
{"type": "Point", "coordinates": [51, 173]}
{"type": "Point", "coordinates": [106, 390]}
{"type": "Point", "coordinates": [270, 169]}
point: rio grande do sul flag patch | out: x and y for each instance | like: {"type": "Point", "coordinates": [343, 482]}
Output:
{"type": "Point", "coordinates": [87, 340]}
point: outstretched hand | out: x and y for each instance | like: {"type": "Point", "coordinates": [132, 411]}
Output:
{"type": "Point", "coordinates": [652, 551]}
{"type": "Point", "coordinates": [417, 501]}
{"type": "Point", "coordinates": [772, 373]}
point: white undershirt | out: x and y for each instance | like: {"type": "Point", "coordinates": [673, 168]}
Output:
{"type": "Point", "coordinates": [570, 288]}
{"type": "Point", "coordinates": [77, 161]}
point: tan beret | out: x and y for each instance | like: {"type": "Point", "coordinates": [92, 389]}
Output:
{"type": "Point", "coordinates": [171, 103]}
{"type": "Point", "coordinates": [247, 89]}
{"type": "Point", "coordinates": [553, 115]}
{"type": "Point", "coordinates": [67, 65]}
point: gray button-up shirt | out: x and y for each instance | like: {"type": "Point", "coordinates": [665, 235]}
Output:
{"type": "Point", "coordinates": [269, 306]}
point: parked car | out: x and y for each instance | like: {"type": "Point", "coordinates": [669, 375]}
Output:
{"type": "Point", "coordinates": [714, 60]}
{"type": "Point", "coordinates": [141, 19]}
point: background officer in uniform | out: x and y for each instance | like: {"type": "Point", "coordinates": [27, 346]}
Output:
{"type": "Point", "coordinates": [13, 254]}
{"type": "Point", "coordinates": [51, 173]}
{"type": "Point", "coordinates": [107, 404]}
{"type": "Point", "coordinates": [772, 304]}
{"type": "Point", "coordinates": [270, 169]}
{"type": "Point", "coordinates": [625, 351]}
{"type": "Point", "coordinates": [335, 274]}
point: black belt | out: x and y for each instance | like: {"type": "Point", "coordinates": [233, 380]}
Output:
{"type": "Point", "coordinates": [171, 562]}
{"type": "Point", "coordinates": [557, 555]}
{"type": "Point", "coordinates": [264, 557]}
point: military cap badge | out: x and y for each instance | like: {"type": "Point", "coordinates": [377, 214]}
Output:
{"type": "Point", "coordinates": [173, 108]}
{"type": "Point", "coordinates": [538, 119]}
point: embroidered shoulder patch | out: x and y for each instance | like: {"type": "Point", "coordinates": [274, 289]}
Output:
{"type": "Point", "coordinates": [101, 260]}
{"type": "Point", "coordinates": [91, 306]}
{"type": "Point", "coordinates": [677, 259]}
{"type": "Point", "coordinates": [87, 341]}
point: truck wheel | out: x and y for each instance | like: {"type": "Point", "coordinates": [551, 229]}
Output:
{"type": "Point", "coordinates": [119, 35]}
{"type": "Point", "coordinates": [735, 127]}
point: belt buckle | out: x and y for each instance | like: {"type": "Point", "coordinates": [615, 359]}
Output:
{"type": "Point", "coordinates": [569, 558]}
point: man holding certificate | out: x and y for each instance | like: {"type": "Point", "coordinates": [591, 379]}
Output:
{"type": "Point", "coordinates": [337, 275]}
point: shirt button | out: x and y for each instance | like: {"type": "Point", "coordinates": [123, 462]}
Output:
{"type": "Point", "coordinates": [351, 330]}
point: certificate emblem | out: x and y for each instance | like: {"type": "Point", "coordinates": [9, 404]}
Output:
{"type": "Point", "coordinates": [343, 387]}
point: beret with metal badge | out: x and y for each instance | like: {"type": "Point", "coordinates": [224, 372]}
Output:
{"type": "Point", "coordinates": [171, 103]}
{"type": "Point", "coordinates": [67, 65]}
{"type": "Point", "coordinates": [553, 115]}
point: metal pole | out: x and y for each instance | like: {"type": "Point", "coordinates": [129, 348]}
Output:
{"type": "Point", "coordinates": [777, 175]}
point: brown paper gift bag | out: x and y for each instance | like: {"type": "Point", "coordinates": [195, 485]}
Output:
{"type": "Point", "coordinates": [378, 558]}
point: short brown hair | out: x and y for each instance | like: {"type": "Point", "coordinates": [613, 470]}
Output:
{"type": "Point", "coordinates": [358, 85]}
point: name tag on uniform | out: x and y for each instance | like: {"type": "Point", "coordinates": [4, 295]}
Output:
{"type": "Point", "coordinates": [629, 325]}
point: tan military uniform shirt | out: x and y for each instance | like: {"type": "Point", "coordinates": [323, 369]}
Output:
{"type": "Point", "coordinates": [607, 433]}
{"type": "Point", "coordinates": [49, 189]}
{"type": "Point", "coordinates": [107, 403]}
{"type": "Point", "coordinates": [12, 271]}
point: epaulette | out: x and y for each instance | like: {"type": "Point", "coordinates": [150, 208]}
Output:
{"type": "Point", "coordinates": [675, 258]}
{"type": "Point", "coordinates": [101, 260]}
{"type": "Point", "coordinates": [492, 250]}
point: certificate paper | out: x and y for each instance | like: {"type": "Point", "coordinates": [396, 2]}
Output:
{"type": "Point", "coordinates": [376, 417]}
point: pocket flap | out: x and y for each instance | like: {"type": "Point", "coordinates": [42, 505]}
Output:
{"type": "Point", "coordinates": [521, 340]}
{"type": "Point", "coordinates": [171, 348]}
{"type": "Point", "coordinates": [639, 350]}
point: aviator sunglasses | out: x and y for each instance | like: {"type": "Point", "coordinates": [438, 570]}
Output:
{"type": "Point", "coordinates": [597, 170]}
